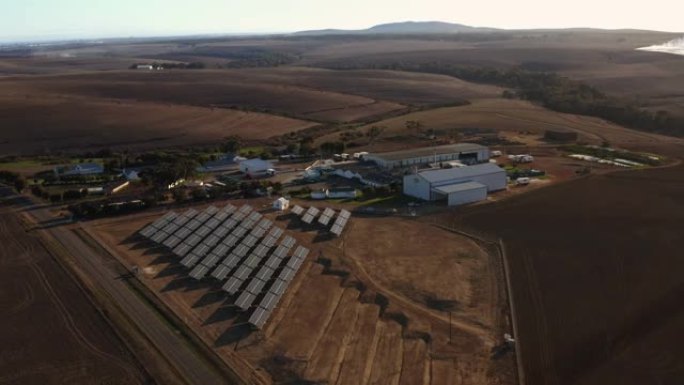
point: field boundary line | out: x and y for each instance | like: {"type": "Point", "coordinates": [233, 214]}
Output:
{"type": "Point", "coordinates": [509, 291]}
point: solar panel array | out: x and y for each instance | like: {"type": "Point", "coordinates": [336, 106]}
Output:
{"type": "Point", "coordinates": [239, 246]}
{"type": "Point", "coordinates": [310, 214]}
{"type": "Point", "coordinates": [327, 216]}
{"type": "Point", "coordinates": [298, 210]}
{"type": "Point", "coordinates": [340, 222]}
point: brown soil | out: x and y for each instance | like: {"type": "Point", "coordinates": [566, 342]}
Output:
{"type": "Point", "coordinates": [52, 334]}
{"type": "Point", "coordinates": [596, 278]}
{"type": "Point", "coordinates": [331, 326]}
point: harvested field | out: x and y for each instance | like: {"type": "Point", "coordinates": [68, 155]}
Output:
{"type": "Point", "coordinates": [210, 88]}
{"type": "Point", "coordinates": [75, 123]}
{"type": "Point", "coordinates": [596, 277]}
{"type": "Point", "coordinates": [395, 86]}
{"type": "Point", "coordinates": [53, 333]}
{"type": "Point", "coordinates": [335, 324]}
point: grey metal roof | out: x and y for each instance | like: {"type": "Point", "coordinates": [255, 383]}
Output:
{"type": "Point", "coordinates": [445, 174]}
{"type": "Point", "coordinates": [428, 151]}
{"type": "Point", "coordinates": [458, 187]}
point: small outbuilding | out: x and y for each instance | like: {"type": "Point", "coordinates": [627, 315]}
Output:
{"type": "Point", "coordinates": [281, 204]}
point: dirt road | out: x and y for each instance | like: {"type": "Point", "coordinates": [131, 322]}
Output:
{"type": "Point", "coordinates": [108, 274]}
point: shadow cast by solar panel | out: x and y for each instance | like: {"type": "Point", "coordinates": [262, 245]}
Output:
{"type": "Point", "coordinates": [225, 313]}
{"type": "Point", "coordinates": [164, 258]}
{"type": "Point", "coordinates": [134, 238]}
{"type": "Point", "coordinates": [171, 270]}
{"type": "Point", "coordinates": [155, 249]}
{"type": "Point", "coordinates": [186, 283]}
{"type": "Point", "coordinates": [210, 298]}
{"type": "Point", "coordinates": [294, 224]}
{"type": "Point", "coordinates": [239, 332]}
{"type": "Point", "coordinates": [140, 244]}
{"type": "Point", "coordinates": [323, 236]}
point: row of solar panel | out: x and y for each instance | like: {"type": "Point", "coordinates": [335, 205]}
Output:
{"type": "Point", "coordinates": [309, 215]}
{"type": "Point", "coordinates": [204, 233]}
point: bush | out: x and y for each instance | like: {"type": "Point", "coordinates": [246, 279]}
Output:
{"type": "Point", "coordinates": [54, 198]}
{"type": "Point", "coordinates": [69, 195]}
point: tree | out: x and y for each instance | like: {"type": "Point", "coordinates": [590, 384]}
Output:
{"type": "Point", "coordinates": [19, 184]}
{"type": "Point", "coordinates": [373, 133]}
{"type": "Point", "coordinates": [306, 146]}
{"type": "Point", "coordinates": [232, 144]}
{"type": "Point", "coordinates": [414, 125]}
{"type": "Point", "coordinates": [179, 194]}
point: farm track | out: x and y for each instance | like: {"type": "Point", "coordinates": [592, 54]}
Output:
{"type": "Point", "coordinates": [479, 331]}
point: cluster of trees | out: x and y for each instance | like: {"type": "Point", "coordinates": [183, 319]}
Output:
{"type": "Point", "coordinates": [551, 90]}
{"type": "Point", "coordinates": [14, 179]}
{"type": "Point", "coordinates": [102, 208]}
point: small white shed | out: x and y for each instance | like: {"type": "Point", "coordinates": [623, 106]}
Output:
{"type": "Point", "coordinates": [281, 204]}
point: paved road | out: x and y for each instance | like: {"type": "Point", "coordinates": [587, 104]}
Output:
{"type": "Point", "coordinates": [106, 272]}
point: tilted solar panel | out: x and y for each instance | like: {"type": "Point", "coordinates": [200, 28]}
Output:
{"type": "Point", "coordinates": [259, 317]}
{"type": "Point", "coordinates": [190, 260]}
{"type": "Point", "coordinates": [245, 300]}
{"type": "Point", "coordinates": [270, 301]}
{"type": "Point", "coordinates": [255, 286]}
{"type": "Point", "coordinates": [221, 272]}
{"type": "Point", "coordinates": [265, 273]}
{"type": "Point", "coordinates": [286, 274]}
{"type": "Point", "coordinates": [232, 285]}
{"type": "Point", "coordinates": [199, 272]}
{"type": "Point", "coordinates": [278, 287]}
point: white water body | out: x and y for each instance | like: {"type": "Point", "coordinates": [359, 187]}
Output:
{"type": "Point", "coordinates": [675, 47]}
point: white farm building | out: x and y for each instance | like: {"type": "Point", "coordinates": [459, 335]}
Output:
{"type": "Point", "coordinates": [458, 185]}
{"type": "Point", "coordinates": [467, 153]}
{"type": "Point", "coordinates": [255, 166]}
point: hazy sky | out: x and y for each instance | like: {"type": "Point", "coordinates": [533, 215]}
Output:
{"type": "Point", "coordinates": [22, 19]}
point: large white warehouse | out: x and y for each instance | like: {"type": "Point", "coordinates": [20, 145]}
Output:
{"type": "Point", "coordinates": [458, 185]}
{"type": "Point", "coordinates": [467, 153]}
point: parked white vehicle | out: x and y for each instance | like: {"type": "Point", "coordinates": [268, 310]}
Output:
{"type": "Point", "coordinates": [522, 181]}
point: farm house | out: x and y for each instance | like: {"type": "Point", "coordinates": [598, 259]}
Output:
{"type": "Point", "coordinates": [456, 185]}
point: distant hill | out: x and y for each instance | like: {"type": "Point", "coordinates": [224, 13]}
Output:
{"type": "Point", "coordinates": [407, 27]}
